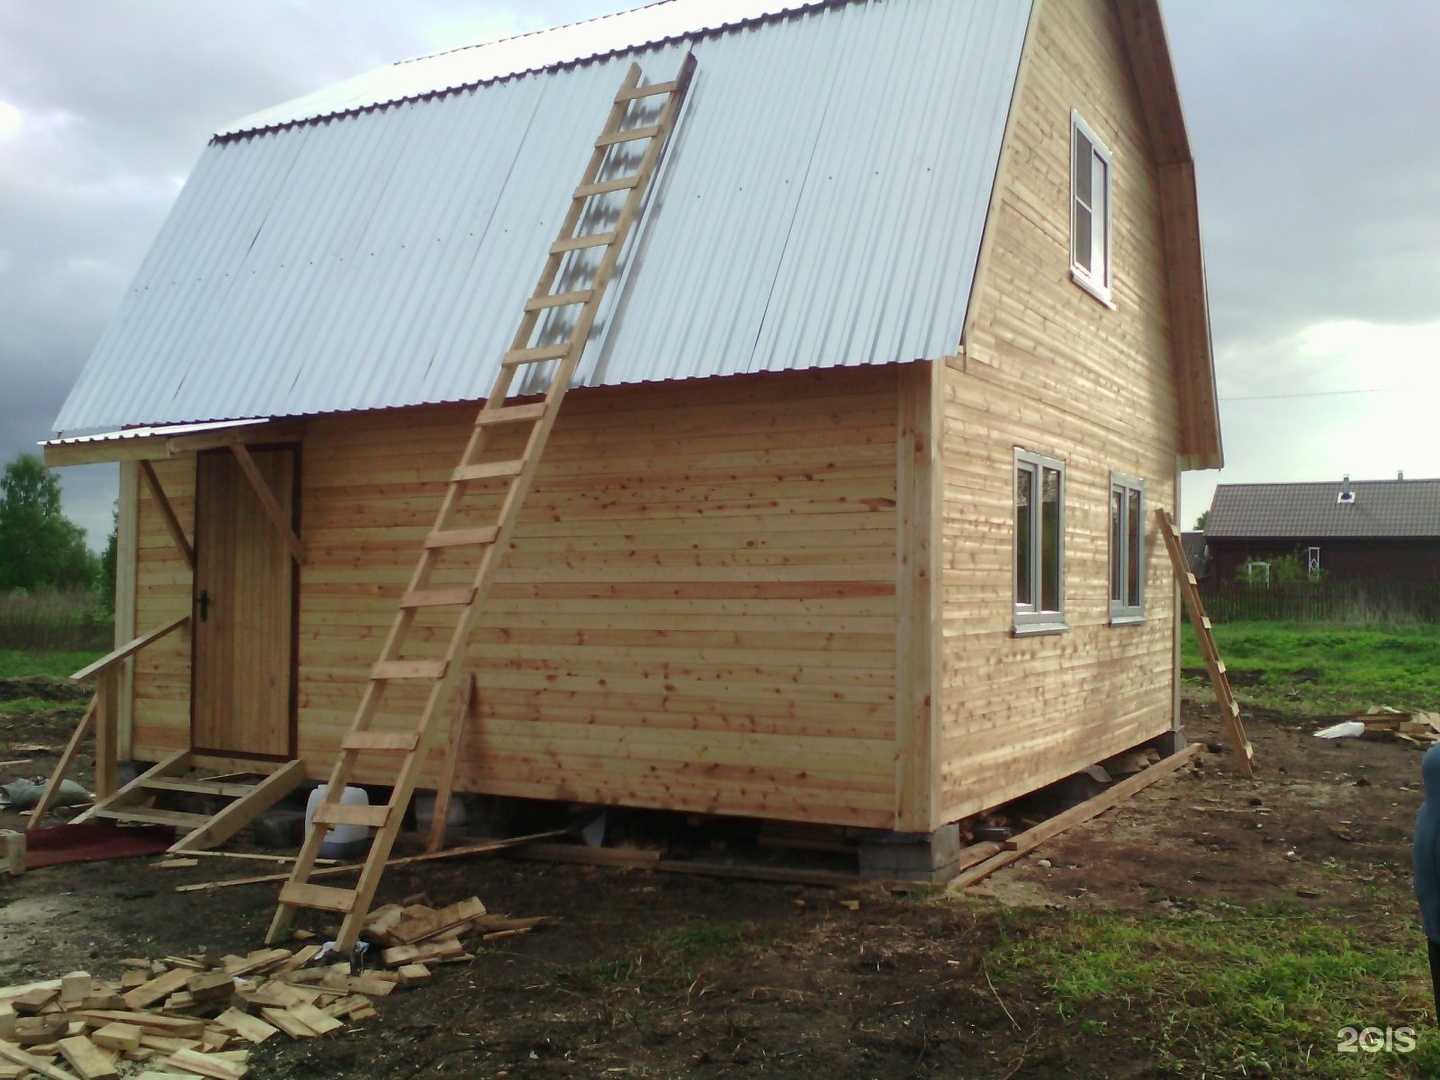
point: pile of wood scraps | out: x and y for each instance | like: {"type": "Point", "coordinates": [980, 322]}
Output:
{"type": "Point", "coordinates": [1383, 722]}
{"type": "Point", "coordinates": [188, 1016]}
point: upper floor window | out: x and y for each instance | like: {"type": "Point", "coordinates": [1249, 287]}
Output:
{"type": "Point", "coordinates": [1039, 543]}
{"type": "Point", "coordinates": [1089, 211]}
{"type": "Point", "coordinates": [1127, 548]}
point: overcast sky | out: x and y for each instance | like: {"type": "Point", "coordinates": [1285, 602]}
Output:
{"type": "Point", "coordinates": [1315, 124]}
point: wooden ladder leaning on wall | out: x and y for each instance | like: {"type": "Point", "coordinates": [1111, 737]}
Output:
{"type": "Point", "coordinates": [1229, 707]}
{"type": "Point", "coordinates": [614, 149]}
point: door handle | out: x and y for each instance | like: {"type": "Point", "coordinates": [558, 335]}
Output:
{"type": "Point", "coordinates": [204, 601]}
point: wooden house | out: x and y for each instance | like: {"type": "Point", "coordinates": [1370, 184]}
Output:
{"type": "Point", "coordinates": [1372, 532]}
{"type": "Point", "coordinates": [848, 517]}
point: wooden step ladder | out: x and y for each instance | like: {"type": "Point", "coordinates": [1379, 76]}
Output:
{"type": "Point", "coordinates": [243, 801]}
{"type": "Point", "coordinates": [632, 123]}
{"type": "Point", "coordinates": [1244, 752]}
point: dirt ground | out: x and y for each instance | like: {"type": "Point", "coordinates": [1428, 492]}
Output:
{"type": "Point", "coordinates": [648, 974]}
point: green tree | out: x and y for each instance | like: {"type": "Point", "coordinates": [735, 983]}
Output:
{"type": "Point", "coordinates": [105, 568]}
{"type": "Point", "coordinates": [39, 545]}
{"type": "Point", "coordinates": [1200, 521]}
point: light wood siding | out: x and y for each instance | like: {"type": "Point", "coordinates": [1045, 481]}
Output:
{"type": "Point", "coordinates": [697, 611]}
{"type": "Point", "coordinates": [1048, 368]}
{"type": "Point", "coordinates": [163, 592]}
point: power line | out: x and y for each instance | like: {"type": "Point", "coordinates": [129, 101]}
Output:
{"type": "Point", "coordinates": [1316, 393]}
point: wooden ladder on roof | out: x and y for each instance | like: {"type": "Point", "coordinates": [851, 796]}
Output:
{"type": "Point", "coordinates": [1244, 752]}
{"type": "Point", "coordinates": [573, 252]}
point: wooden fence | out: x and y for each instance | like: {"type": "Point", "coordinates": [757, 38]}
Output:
{"type": "Point", "coordinates": [1349, 602]}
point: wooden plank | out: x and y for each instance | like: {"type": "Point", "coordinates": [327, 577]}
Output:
{"type": "Point", "coordinates": [107, 730]}
{"type": "Point", "coordinates": [117, 1036]}
{"type": "Point", "coordinates": [245, 809]}
{"type": "Point", "coordinates": [331, 813]}
{"type": "Point", "coordinates": [408, 669]}
{"type": "Point", "coordinates": [34, 1062]}
{"type": "Point", "coordinates": [490, 847]}
{"type": "Point", "coordinates": [174, 1027]}
{"type": "Point", "coordinates": [268, 502]}
{"type": "Point", "coordinates": [209, 1065]}
{"type": "Point", "coordinates": [437, 598]}
{"type": "Point", "coordinates": [487, 470]}
{"type": "Point", "coordinates": [380, 741]}
{"type": "Point", "coordinates": [1239, 740]}
{"type": "Point", "coordinates": [444, 538]}
{"type": "Point", "coordinates": [320, 897]}
{"type": "Point", "coordinates": [917, 764]}
{"type": "Point", "coordinates": [87, 1059]}
{"type": "Point", "coordinates": [127, 540]}
{"type": "Point", "coordinates": [628, 135]}
{"type": "Point", "coordinates": [553, 300]}
{"type": "Point", "coordinates": [161, 986]}
{"type": "Point", "coordinates": [605, 187]}
{"type": "Point", "coordinates": [130, 648]}
{"type": "Point", "coordinates": [510, 414]}
{"type": "Point", "coordinates": [167, 514]}
{"type": "Point", "coordinates": [250, 1028]}
{"type": "Point", "coordinates": [536, 355]}
{"type": "Point", "coordinates": [1033, 838]}
{"type": "Point", "coordinates": [575, 243]}
{"type": "Point", "coordinates": [459, 723]}
{"type": "Point", "coordinates": [62, 766]}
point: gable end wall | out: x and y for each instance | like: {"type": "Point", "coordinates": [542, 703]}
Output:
{"type": "Point", "coordinates": [1047, 368]}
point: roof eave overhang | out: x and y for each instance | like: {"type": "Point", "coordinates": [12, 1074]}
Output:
{"type": "Point", "coordinates": [156, 444]}
{"type": "Point", "coordinates": [1144, 30]}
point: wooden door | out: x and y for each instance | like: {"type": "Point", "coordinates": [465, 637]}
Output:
{"type": "Point", "coordinates": [244, 615]}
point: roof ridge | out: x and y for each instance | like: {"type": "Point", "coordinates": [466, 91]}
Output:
{"type": "Point", "coordinates": [294, 113]}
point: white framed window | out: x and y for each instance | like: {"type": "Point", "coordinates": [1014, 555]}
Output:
{"type": "Point", "coordinates": [1039, 543]}
{"type": "Point", "coordinates": [1127, 549]}
{"type": "Point", "coordinates": [1090, 262]}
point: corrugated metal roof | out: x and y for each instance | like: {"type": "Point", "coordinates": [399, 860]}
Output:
{"type": "Point", "coordinates": [821, 204]}
{"type": "Point", "coordinates": [440, 73]}
{"type": "Point", "coordinates": [1381, 508]}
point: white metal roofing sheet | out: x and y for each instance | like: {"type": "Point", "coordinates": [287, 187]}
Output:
{"type": "Point", "coordinates": [821, 204]}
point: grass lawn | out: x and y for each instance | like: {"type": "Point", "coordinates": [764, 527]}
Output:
{"type": "Point", "coordinates": [1236, 991]}
{"type": "Point", "coordinates": [1309, 670]}
{"type": "Point", "coordinates": [20, 663]}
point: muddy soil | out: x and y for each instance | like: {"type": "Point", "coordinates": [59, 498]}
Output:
{"type": "Point", "coordinates": [650, 974]}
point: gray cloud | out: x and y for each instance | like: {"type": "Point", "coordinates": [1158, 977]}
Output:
{"type": "Point", "coordinates": [1312, 122]}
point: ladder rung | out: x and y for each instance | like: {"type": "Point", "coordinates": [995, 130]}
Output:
{"type": "Point", "coordinates": [1220, 667]}
{"type": "Point", "coordinates": [1205, 621]}
{"type": "Point", "coordinates": [462, 537]}
{"type": "Point", "coordinates": [628, 136]}
{"type": "Point", "coordinates": [386, 742]}
{"type": "Point", "coordinates": [646, 91]}
{"type": "Point", "coordinates": [409, 669]}
{"type": "Point", "coordinates": [563, 299]}
{"type": "Point", "coordinates": [437, 598]}
{"type": "Point", "coordinates": [351, 814]}
{"type": "Point", "coordinates": [487, 470]}
{"type": "Point", "coordinates": [575, 243]}
{"type": "Point", "coordinates": [319, 897]}
{"type": "Point", "coordinates": [534, 356]}
{"type": "Point", "coordinates": [605, 187]}
{"type": "Point", "coordinates": [510, 414]}
{"type": "Point", "coordinates": [1190, 578]}
{"type": "Point", "coordinates": [1234, 708]}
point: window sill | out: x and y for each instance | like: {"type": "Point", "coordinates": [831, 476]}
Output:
{"type": "Point", "coordinates": [1128, 620]}
{"type": "Point", "coordinates": [1090, 286]}
{"type": "Point", "coordinates": [1041, 629]}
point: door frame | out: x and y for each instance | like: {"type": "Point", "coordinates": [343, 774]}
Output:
{"type": "Point", "coordinates": [293, 696]}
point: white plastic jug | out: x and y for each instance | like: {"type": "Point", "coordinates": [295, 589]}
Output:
{"type": "Point", "coordinates": [342, 841]}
